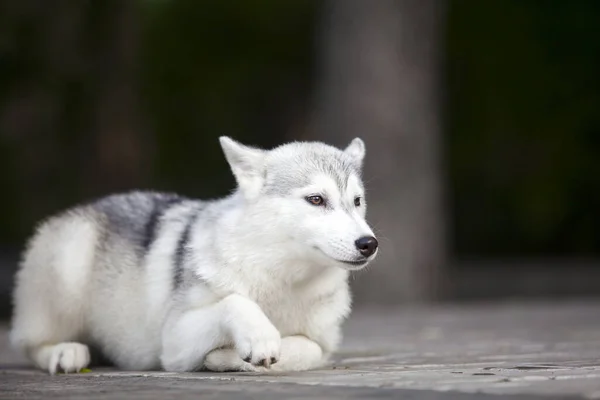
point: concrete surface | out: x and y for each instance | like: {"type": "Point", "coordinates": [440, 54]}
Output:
{"type": "Point", "coordinates": [505, 351]}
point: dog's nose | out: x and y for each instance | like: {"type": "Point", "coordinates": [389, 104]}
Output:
{"type": "Point", "coordinates": [366, 245]}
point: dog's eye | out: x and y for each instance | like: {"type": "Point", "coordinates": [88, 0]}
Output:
{"type": "Point", "coordinates": [357, 201]}
{"type": "Point", "coordinates": [316, 200]}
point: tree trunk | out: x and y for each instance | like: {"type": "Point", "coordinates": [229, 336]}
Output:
{"type": "Point", "coordinates": [380, 80]}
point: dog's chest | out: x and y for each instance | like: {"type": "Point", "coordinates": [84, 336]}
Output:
{"type": "Point", "coordinates": [289, 309]}
{"type": "Point", "coordinates": [292, 304]}
{"type": "Point", "coordinates": [289, 313]}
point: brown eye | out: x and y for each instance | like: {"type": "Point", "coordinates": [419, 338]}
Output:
{"type": "Point", "coordinates": [357, 201]}
{"type": "Point", "coordinates": [315, 200]}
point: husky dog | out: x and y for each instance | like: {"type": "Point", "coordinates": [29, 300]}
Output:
{"type": "Point", "coordinates": [255, 281]}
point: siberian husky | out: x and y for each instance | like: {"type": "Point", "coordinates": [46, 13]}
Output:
{"type": "Point", "coordinates": [256, 281]}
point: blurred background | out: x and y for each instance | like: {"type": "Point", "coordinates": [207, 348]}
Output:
{"type": "Point", "coordinates": [481, 120]}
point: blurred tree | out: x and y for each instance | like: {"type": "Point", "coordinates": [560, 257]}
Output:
{"type": "Point", "coordinates": [104, 96]}
{"type": "Point", "coordinates": [68, 115]}
{"type": "Point", "coordinates": [381, 63]}
{"type": "Point", "coordinates": [241, 68]}
{"type": "Point", "coordinates": [524, 127]}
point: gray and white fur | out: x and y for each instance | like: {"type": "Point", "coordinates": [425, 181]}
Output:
{"type": "Point", "coordinates": [255, 281]}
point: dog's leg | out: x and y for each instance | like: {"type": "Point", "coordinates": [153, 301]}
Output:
{"type": "Point", "coordinates": [51, 307]}
{"type": "Point", "coordinates": [227, 360]}
{"type": "Point", "coordinates": [189, 336]}
{"type": "Point", "coordinates": [67, 357]}
{"type": "Point", "coordinates": [299, 353]}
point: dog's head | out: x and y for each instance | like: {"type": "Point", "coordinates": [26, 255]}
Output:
{"type": "Point", "coordinates": [311, 198]}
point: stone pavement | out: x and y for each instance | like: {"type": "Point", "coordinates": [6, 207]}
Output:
{"type": "Point", "coordinates": [484, 351]}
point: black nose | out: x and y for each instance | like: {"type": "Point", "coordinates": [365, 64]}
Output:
{"type": "Point", "coordinates": [366, 245]}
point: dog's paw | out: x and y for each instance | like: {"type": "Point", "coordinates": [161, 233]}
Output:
{"type": "Point", "coordinates": [69, 357]}
{"type": "Point", "coordinates": [227, 360]}
{"type": "Point", "coordinates": [258, 345]}
{"type": "Point", "coordinates": [298, 353]}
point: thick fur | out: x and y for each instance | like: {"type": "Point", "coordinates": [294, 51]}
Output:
{"type": "Point", "coordinates": [256, 281]}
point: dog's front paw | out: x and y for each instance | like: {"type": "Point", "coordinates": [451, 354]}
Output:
{"type": "Point", "coordinates": [69, 357]}
{"type": "Point", "coordinates": [258, 345]}
{"type": "Point", "coordinates": [299, 353]}
{"type": "Point", "coordinates": [227, 360]}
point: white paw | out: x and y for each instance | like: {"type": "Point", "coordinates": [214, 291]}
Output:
{"type": "Point", "coordinates": [258, 345]}
{"type": "Point", "coordinates": [69, 357]}
{"type": "Point", "coordinates": [227, 360]}
{"type": "Point", "coordinates": [298, 353]}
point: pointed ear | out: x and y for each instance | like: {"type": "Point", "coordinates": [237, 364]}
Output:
{"type": "Point", "coordinates": [356, 151]}
{"type": "Point", "coordinates": [247, 165]}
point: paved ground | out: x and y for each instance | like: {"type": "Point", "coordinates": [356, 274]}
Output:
{"type": "Point", "coordinates": [506, 351]}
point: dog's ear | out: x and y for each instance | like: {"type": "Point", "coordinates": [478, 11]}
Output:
{"type": "Point", "coordinates": [356, 151]}
{"type": "Point", "coordinates": [247, 165]}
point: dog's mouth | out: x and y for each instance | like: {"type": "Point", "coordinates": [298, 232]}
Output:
{"type": "Point", "coordinates": [357, 263]}
{"type": "Point", "coordinates": [354, 264]}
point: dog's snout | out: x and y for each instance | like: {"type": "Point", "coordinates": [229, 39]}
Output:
{"type": "Point", "coordinates": [366, 245]}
